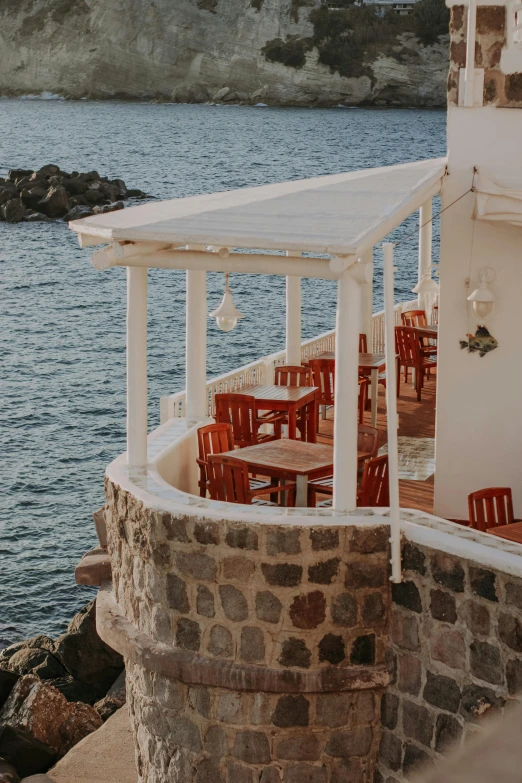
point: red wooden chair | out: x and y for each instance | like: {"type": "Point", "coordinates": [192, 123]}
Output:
{"type": "Point", "coordinates": [229, 482]}
{"type": "Point", "coordinates": [323, 376]}
{"type": "Point", "coordinates": [418, 318]}
{"type": "Point", "coordinates": [239, 411]}
{"type": "Point", "coordinates": [290, 375]}
{"type": "Point", "coordinates": [375, 484]}
{"type": "Point", "coordinates": [490, 508]}
{"type": "Point", "coordinates": [363, 343]}
{"type": "Point", "coordinates": [215, 439]}
{"type": "Point", "coordinates": [408, 347]}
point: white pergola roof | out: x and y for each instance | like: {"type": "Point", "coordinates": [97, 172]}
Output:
{"type": "Point", "coordinates": [341, 214]}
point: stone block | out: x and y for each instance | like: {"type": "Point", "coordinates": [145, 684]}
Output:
{"type": "Point", "coordinates": [220, 642]}
{"type": "Point", "coordinates": [294, 652]}
{"type": "Point", "coordinates": [188, 634]}
{"type": "Point", "coordinates": [237, 773]}
{"type": "Point", "coordinates": [447, 645]}
{"type": "Point", "coordinates": [476, 616]}
{"type": "Point", "coordinates": [367, 540]}
{"type": "Point", "coordinates": [417, 722]}
{"type": "Point", "coordinates": [332, 649]}
{"type": "Point", "coordinates": [363, 650]}
{"type": "Point", "coordinates": [407, 594]}
{"type": "Point", "coordinates": [344, 610]}
{"type": "Point", "coordinates": [161, 625]}
{"type": "Point", "coordinates": [491, 19]}
{"type": "Point", "coordinates": [373, 610]}
{"type": "Point", "coordinates": [334, 709]}
{"type": "Point", "coordinates": [206, 533]}
{"type": "Point", "coordinates": [362, 574]}
{"type": "Point", "coordinates": [483, 583]}
{"type": "Point", "coordinates": [234, 603]}
{"type": "Point", "coordinates": [389, 710]}
{"type": "Point", "coordinates": [252, 747]}
{"type": "Point", "coordinates": [364, 708]}
{"type": "Point", "coordinates": [205, 602]}
{"type": "Point", "coordinates": [252, 644]}
{"type": "Point", "coordinates": [215, 742]}
{"type": "Point", "coordinates": [262, 709]}
{"type": "Point", "coordinates": [177, 596]}
{"type": "Point", "coordinates": [486, 662]}
{"type": "Point", "coordinates": [282, 574]}
{"type": "Point", "coordinates": [208, 771]}
{"type": "Point", "coordinates": [415, 759]}
{"type": "Point", "coordinates": [324, 572]}
{"type": "Point", "coordinates": [185, 733]}
{"type": "Point", "coordinates": [514, 676]}
{"type": "Point", "coordinates": [242, 537]}
{"type": "Point", "coordinates": [409, 674]}
{"type": "Point", "coordinates": [514, 594]}
{"type": "Point", "coordinates": [308, 611]}
{"type": "Point", "coordinates": [270, 775]}
{"type": "Point", "coordinates": [478, 701]}
{"type": "Point", "coordinates": [510, 631]}
{"type": "Point", "coordinates": [199, 700]}
{"type": "Point", "coordinates": [175, 528]}
{"type": "Point", "coordinates": [29, 754]}
{"type": "Point", "coordinates": [323, 539]}
{"type": "Point", "coordinates": [443, 606]}
{"type": "Point", "coordinates": [442, 692]}
{"type": "Point", "coordinates": [268, 607]}
{"type": "Point", "coordinates": [413, 559]}
{"type": "Point", "coordinates": [238, 568]}
{"type": "Point", "coordinates": [291, 711]}
{"type": "Point", "coordinates": [283, 541]}
{"type": "Point", "coordinates": [348, 771]}
{"type": "Point", "coordinates": [160, 553]}
{"type": "Point", "coordinates": [229, 708]}
{"type": "Point", "coordinates": [299, 747]}
{"type": "Point", "coordinates": [514, 87]}
{"type": "Point", "coordinates": [355, 742]}
{"type": "Point", "coordinates": [405, 631]}
{"type": "Point", "coordinates": [196, 566]}
{"type": "Point", "coordinates": [305, 773]}
{"type": "Point", "coordinates": [390, 751]}
{"type": "Point", "coordinates": [448, 572]}
{"type": "Point", "coordinates": [448, 732]}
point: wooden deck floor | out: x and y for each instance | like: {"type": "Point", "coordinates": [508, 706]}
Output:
{"type": "Point", "coordinates": [416, 420]}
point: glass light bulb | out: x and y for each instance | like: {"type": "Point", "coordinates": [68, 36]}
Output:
{"type": "Point", "coordinates": [226, 324]}
{"type": "Point", "coordinates": [483, 309]}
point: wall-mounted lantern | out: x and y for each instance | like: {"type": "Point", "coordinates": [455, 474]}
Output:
{"type": "Point", "coordinates": [482, 298]}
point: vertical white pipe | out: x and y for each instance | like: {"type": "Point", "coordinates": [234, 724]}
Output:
{"type": "Point", "coordinates": [425, 246]}
{"type": "Point", "coordinates": [196, 345]}
{"type": "Point", "coordinates": [367, 303]}
{"type": "Point", "coordinates": [293, 320]}
{"type": "Point", "coordinates": [137, 366]}
{"type": "Point", "coordinates": [469, 73]}
{"type": "Point", "coordinates": [346, 393]}
{"type": "Point", "coordinates": [391, 409]}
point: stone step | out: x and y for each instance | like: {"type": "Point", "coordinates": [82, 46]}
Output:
{"type": "Point", "coordinates": [94, 568]}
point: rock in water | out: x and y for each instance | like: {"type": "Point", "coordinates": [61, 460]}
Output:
{"type": "Point", "coordinates": [56, 202]}
{"type": "Point", "coordinates": [13, 211]}
{"type": "Point", "coordinates": [43, 714]}
{"type": "Point", "coordinates": [78, 212]}
{"type": "Point", "coordinates": [26, 754]}
{"type": "Point", "coordinates": [7, 682]}
{"type": "Point", "coordinates": [8, 773]}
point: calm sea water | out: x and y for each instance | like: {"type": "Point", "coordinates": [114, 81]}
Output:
{"type": "Point", "coordinates": [62, 324]}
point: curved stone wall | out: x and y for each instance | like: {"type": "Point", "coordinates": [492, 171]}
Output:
{"type": "Point", "coordinates": [261, 646]}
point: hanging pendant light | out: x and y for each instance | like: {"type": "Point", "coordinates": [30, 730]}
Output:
{"type": "Point", "coordinates": [427, 285]}
{"type": "Point", "coordinates": [227, 314]}
{"type": "Point", "coordinates": [482, 298]}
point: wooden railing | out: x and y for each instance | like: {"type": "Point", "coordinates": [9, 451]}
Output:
{"type": "Point", "coordinates": [262, 370]}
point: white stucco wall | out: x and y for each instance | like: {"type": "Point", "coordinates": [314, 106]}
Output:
{"type": "Point", "coordinates": [479, 400]}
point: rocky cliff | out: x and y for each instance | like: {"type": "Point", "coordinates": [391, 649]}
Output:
{"type": "Point", "coordinates": [191, 50]}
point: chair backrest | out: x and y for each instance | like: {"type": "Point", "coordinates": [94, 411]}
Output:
{"type": "Point", "coordinates": [289, 375]}
{"type": "Point", "coordinates": [490, 508]}
{"type": "Point", "coordinates": [229, 480]}
{"type": "Point", "coordinates": [407, 345]}
{"type": "Point", "coordinates": [238, 411]}
{"type": "Point", "coordinates": [375, 486]}
{"type": "Point", "coordinates": [363, 343]}
{"type": "Point", "coordinates": [414, 318]}
{"type": "Point", "coordinates": [368, 440]}
{"type": "Point", "coordinates": [323, 376]}
{"type": "Point", "coordinates": [214, 439]}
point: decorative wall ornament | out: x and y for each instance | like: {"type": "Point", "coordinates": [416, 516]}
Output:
{"type": "Point", "coordinates": [482, 342]}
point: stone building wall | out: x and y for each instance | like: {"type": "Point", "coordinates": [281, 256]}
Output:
{"type": "Point", "coordinates": [502, 90]}
{"type": "Point", "coordinates": [456, 643]}
{"type": "Point", "coordinates": [303, 609]}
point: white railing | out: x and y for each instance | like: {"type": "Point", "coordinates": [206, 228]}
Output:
{"type": "Point", "coordinates": [262, 370]}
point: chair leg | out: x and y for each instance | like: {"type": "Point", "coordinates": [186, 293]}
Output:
{"type": "Point", "coordinates": [323, 412]}
{"type": "Point", "coordinates": [418, 383]}
{"type": "Point", "coordinates": [398, 379]}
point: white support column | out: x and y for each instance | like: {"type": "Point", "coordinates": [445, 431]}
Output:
{"type": "Point", "coordinates": [425, 246]}
{"type": "Point", "coordinates": [346, 392]}
{"type": "Point", "coordinates": [391, 410]}
{"type": "Point", "coordinates": [137, 366]}
{"type": "Point", "coordinates": [367, 303]}
{"type": "Point", "coordinates": [293, 320]}
{"type": "Point", "coordinates": [196, 345]}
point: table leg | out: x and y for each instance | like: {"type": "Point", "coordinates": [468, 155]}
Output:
{"type": "Point", "coordinates": [375, 390]}
{"type": "Point", "coordinates": [292, 426]}
{"type": "Point", "coordinates": [311, 429]}
{"type": "Point", "coordinates": [301, 492]}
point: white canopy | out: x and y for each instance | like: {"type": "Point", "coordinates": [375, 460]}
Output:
{"type": "Point", "coordinates": [341, 214]}
{"type": "Point", "coordinates": [497, 203]}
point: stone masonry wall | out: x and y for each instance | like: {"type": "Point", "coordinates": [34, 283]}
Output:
{"type": "Point", "coordinates": [285, 598]}
{"type": "Point", "coordinates": [502, 90]}
{"type": "Point", "coordinates": [456, 644]}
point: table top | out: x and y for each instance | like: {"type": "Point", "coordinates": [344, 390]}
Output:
{"type": "Point", "coordinates": [366, 360]}
{"type": "Point", "coordinates": [290, 456]}
{"type": "Point", "coordinates": [432, 329]}
{"type": "Point", "coordinates": [281, 393]}
{"type": "Point", "coordinates": [512, 532]}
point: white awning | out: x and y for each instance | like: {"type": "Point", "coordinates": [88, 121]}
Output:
{"type": "Point", "coordinates": [497, 203]}
{"type": "Point", "coordinates": [339, 214]}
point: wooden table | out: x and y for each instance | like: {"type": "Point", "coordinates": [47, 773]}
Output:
{"type": "Point", "coordinates": [512, 532]}
{"type": "Point", "coordinates": [290, 399]}
{"type": "Point", "coordinates": [369, 363]}
{"type": "Point", "coordinates": [430, 331]}
{"type": "Point", "coordinates": [293, 460]}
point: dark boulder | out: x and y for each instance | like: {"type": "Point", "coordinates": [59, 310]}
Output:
{"type": "Point", "coordinates": [36, 217]}
{"type": "Point", "coordinates": [26, 754]}
{"type": "Point", "coordinates": [94, 196]}
{"type": "Point", "coordinates": [101, 210]}
{"type": "Point", "coordinates": [31, 196]}
{"type": "Point", "coordinates": [49, 170]}
{"type": "Point", "coordinates": [122, 187]}
{"type": "Point", "coordinates": [7, 192]}
{"type": "Point", "coordinates": [75, 186]}
{"type": "Point", "coordinates": [136, 193]}
{"type": "Point", "coordinates": [15, 174]}
{"type": "Point", "coordinates": [8, 773]}
{"type": "Point", "coordinates": [114, 700]}
{"type": "Point", "coordinates": [75, 690]}
{"type": "Point", "coordinates": [13, 211]}
{"type": "Point", "coordinates": [35, 660]}
{"type": "Point", "coordinates": [56, 202]}
{"type": "Point", "coordinates": [91, 176]}
{"type": "Point", "coordinates": [78, 212]}
{"type": "Point", "coordinates": [7, 682]}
